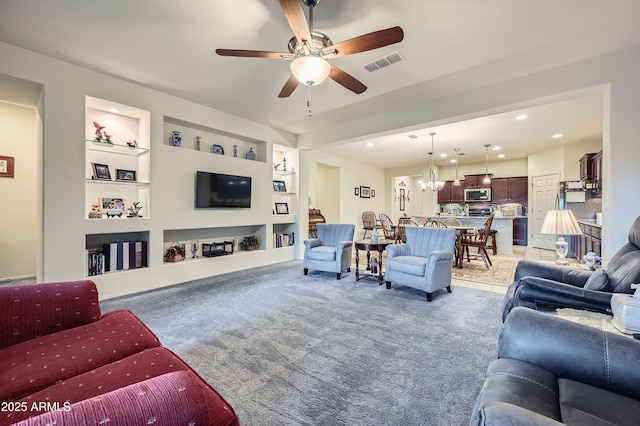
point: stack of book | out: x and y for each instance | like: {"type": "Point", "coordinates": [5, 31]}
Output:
{"type": "Point", "coordinates": [118, 256]}
{"type": "Point", "coordinates": [284, 239]}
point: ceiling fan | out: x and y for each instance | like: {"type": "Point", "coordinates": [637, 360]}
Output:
{"type": "Point", "coordinates": [309, 50]}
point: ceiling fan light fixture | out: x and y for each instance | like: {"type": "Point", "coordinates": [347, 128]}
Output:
{"type": "Point", "coordinates": [310, 70]}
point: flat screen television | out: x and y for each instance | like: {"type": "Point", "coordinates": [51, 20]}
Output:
{"type": "Point", "coordinates": [216, 190]}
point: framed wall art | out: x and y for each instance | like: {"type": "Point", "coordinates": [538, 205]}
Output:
{"type": "Point", "coordinates": [282, 208]}
{"type": "Point", "coordinates": [126, 175]}
{"type": "Point", "coordinates": [279, 186]}
{"type": "Point", "coordinates": [6, 166]}
{"type": "Point", "coordinates": [101, 171]}
{"type": "Point", "coordinates": [365, 192]}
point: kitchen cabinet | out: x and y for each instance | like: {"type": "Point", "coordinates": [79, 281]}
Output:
{"type": "Point", "coordinates": [509, 190]}
{"type": "Point", "coordinates": [586, 166]}
{"type": "Point", "coordinates": [475, 181]}
{"type": "Point", "coordinates": [520, 230]}
{"type": "Point", "coordinates": [596, 175]}
{"type": "Point", "coordinates": [590, 240]}
{"type": "Point", "coordinates": [451, 193]}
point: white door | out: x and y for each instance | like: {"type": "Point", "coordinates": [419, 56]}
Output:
{"type": "Point", "coordinates": [544, 195]}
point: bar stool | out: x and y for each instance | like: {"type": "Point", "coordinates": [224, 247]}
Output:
{"type": "Point", "coordinates": [493, 245]}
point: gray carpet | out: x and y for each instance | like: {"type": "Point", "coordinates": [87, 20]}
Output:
{"type": "Point", "coordinates": [289, 349]}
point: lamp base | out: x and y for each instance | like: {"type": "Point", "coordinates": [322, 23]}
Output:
{"type": "Point", "coordinates": [562, 261]}
{"type": "Point", "coordinates": [562, 248]}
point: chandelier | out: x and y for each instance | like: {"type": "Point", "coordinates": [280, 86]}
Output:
{"type": "Point", "coordinates": [487, 178]}
{"type": "Point", "coordinates": [434, 184]}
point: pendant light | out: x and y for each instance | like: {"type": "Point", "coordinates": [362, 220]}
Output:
{"type": "Point", "coordinates": [456, 182]}
{"type": "Point", "coordinates": [433, 184]}
{"type": "Point", "coordinates": [487, 179]}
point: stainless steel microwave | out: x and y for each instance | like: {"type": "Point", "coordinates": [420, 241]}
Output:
{"type": "Point", "coordinates": [477, 194]}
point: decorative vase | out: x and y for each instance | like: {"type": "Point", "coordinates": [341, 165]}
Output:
{"type": "Point", "coordinates": [176, 138]}
{"type": "Point", "coordinates": [375, 236]}
{"type": "Point", "coordinates": [590, 259]}
{"type": "Point", "coordinates": [235, 150]}
{"type": "Point", "coordinates": [250, 155]}
{"type": "Point", "coordinates": [198, 143]}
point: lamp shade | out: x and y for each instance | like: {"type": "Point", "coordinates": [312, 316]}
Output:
{"type": "Point", "coordinates": [560, 222]}
{"type": "Point", "coordinates": [310, 70]}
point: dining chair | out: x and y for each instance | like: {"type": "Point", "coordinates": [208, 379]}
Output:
{"type": "Point", "coordinates": [434, 223]}
{"type": "Point", "coordinates": [452, 221]}
{"type": "Point", "coordinates": [388, 227]}
{"type": "Point", "coordinates": [369, 222]}
{"type": "Point", "coordinates": [479, 241]}
{"type": "Point", "coordinates": [401, 235]}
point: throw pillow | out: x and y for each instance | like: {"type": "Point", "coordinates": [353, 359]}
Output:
{"type": "Point", "coordinates": [599, 281]}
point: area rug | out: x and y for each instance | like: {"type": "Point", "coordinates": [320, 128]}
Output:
{"type": "Point", "coordinates": [501, 273]}
{"type": "Point", "coordinates": [288, 349]}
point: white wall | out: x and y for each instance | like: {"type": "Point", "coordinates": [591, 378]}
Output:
{"type": "Point", "coordinates": [352, 175]}
{"type": "Point", "coordinates": [19, 230]}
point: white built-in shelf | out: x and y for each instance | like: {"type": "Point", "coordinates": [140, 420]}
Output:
{"type": "Point", "coordinates": [115, 148]}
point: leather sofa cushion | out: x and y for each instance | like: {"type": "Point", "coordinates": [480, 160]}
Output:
{"type": "Point", "coordinates": [37, 363]}
{"type": "Point", "coordinates": [324, 253]}
{"type": "Point", "coordinates": [413, 265]}
{"type": "Point", "coordinates": [582, 404]}
{"type": "Point", "coordinates": [598, 281]}
{"type": "Point", "coordinates": [522, 384]}
{"type": "Point", "coordinates": [141, 366]}
{"type": "Point", "coordinates": [176, 398]}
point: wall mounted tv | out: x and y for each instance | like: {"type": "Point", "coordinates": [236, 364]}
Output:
{"type": "Point", "coordinates": [216, 190]}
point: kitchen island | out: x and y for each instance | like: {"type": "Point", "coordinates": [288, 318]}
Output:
{"type": "Point", "coordinates": [503, 226]}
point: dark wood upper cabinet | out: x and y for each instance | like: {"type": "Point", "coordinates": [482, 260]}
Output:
{"type": "Point", "coordinates": [475, 181]}
{"type": "Point", "coordinates": [510, 190]}
{"type": "Point", "coordinates": [586, 166]}
{"type": "Point", "coordinates": [596, 175]}
{"type": "Point", "coordinates": [451, 193]}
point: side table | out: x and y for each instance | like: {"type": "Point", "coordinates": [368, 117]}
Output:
{"type": "Point", "coordinates": [370, 246]}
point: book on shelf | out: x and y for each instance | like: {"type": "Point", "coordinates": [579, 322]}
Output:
{"type": "Point", "coordinates": [284, 239]}
{"type": "Point", "coordinates": [118, 256]}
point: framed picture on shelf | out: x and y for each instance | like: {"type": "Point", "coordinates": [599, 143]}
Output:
{"type": "Point", "coordinates": [6, 166]}
{"type": "Point", "coordinates": [279, 186]}
{"type": "Point", "coordinates": [126, 175]}
{"type": "Point", "coordinates": [113, 206]}
{"type": "Point", "coordinates": [356, 191]}
{"type": "Point", "coordinates": [373, 193]}
{"type": "Point", "coordinates": [365, 192]}
{"type": "Point", "coordinates": [101, 171]}
{"type": "Point", "coordinates": [282, 208]}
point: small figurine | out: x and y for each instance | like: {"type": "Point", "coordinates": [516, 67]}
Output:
{"type": "Point", "coordinates": [284, 164]}
{"type": "Point", "coordinates": [275, 166]}
{"type": "Point", "coordinates": [198, 143]}
{"type": "Point", "coordinates": [98, 131]}
{"type": "Point", "coordinates": [107, 137]}
{"type": "Point", "coordinates": [95, 212]}
{"type": "Point", "coordinates": [134, 209]}
{"type": "Point", "coordinates": [132, 143]}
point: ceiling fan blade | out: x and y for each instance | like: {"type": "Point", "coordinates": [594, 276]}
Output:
{"type": "Point", "coordinates": [252, 53]}
{"type": "Point", "coordinates": [294, 13]}
{"type": "Point", "coordinates": [346, 80]}
{"type": "Point", "coordinates": [289, 87]}
{"type": "Point", "coordinates": [366, 42]}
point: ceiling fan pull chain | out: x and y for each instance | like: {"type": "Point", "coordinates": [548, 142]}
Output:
{"type": "Point", "coordinates": [309, 99]}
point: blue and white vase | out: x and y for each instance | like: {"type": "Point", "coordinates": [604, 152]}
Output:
{"type": "Point", "coordinates": [176, 138]}
{"type": "Point", "coordinates": [251, 155]}
{"type": "Point", "coordinates": [198, 143]}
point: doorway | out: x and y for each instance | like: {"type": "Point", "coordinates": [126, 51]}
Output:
{"type": "Point", "coordinates": [544, 198]}
{"type": "Point", "coordinates": [328, 192]}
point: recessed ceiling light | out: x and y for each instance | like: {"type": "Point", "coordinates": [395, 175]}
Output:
{"type": "Point", "coordinates": [557, 135]}
{"type": "Point", "coordinates": [496, 148]}
{"type": "Point", "coordinates": [370, 144]}
{"type": "Point", "coordinates": [114, 110]}
{"type": "Point", "coordinates": [522, 117]}
{"type": "Point", "coordinates": [412, 136]}
{"type": "Point", "coordinates": [453, 160]}
{"type": "Point", "coordinates": [500, 155]}
{"type": "Point", "coordinates": [443, 155]}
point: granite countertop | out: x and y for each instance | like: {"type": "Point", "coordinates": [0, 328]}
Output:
{"type": "Point", "coordinates": [478, 217]}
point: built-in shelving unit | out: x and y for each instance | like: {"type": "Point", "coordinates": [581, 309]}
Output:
{"type": "Point", "coordinates": [117, 187]}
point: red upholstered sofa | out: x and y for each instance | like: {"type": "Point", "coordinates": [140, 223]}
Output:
{"type": "Point", "coordinates": [63, 362]}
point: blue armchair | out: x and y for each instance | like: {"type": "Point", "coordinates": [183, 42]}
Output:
{"type": "Point", "coordinates": [424, 262]}
{"type": "Point", "coordinates": [331, 251]}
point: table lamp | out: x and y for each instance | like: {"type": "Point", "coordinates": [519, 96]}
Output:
{"type": "Point", "coordinates": [560, 223]}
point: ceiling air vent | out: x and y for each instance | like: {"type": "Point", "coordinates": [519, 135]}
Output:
{"type": "Point", "coordinates": [391, 59]}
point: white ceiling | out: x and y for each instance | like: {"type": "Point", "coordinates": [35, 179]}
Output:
{"type": "Point", "coordinates": [169, 46]}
